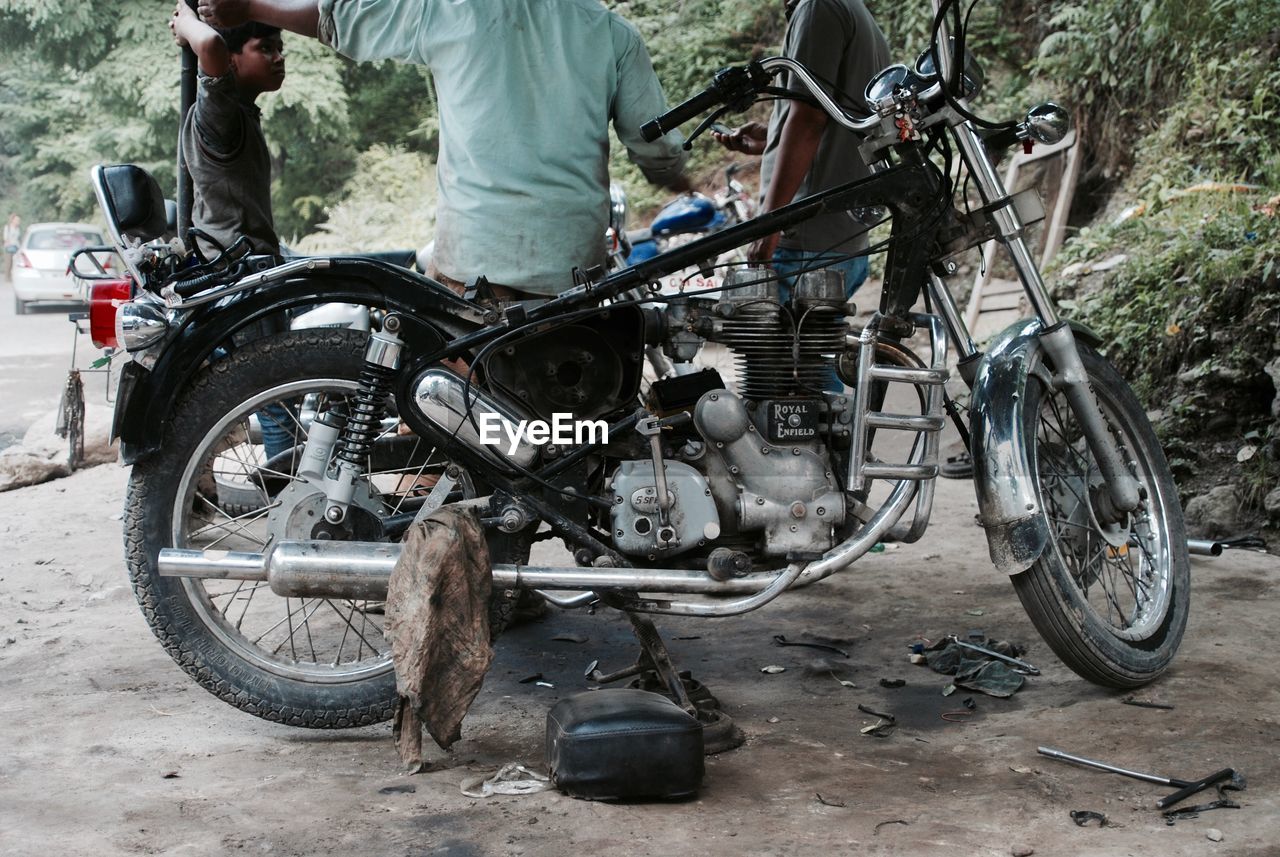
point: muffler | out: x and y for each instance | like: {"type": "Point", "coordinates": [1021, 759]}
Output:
{"type": "Point", "coordinates": [361, 571]}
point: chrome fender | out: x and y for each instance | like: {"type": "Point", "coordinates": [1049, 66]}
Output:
{"type": "Point", "coordinates": [1008, 505]}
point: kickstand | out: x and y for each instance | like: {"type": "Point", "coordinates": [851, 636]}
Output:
{"type": "Point", "coordinates": [655, 671]}
{"type": "Point", "coordinates": [653, 659]}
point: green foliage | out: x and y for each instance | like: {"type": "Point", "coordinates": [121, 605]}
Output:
{"type": "Point", "coordinates": [1175, 96]}
{"type": "Point", "coordinates": [390, 204]}
{"type": "Point", "coordinates": [103, 104]}
{"type": "Point", "coordinates": [393, 104]}
{"type": "Point", "coordinates": [98, 83]}
{"type": "Point", "coordinates": [1126, 63]}
{"type": "Point", "coordinates": [1193, 316]}
{"type": "Point", "coordinates": [308, 130]}
{"type": "Point", "coordinates": [67, 32]}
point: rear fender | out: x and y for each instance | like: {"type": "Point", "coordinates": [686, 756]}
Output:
{"type": "Point", "coordinates": [432, 313]}
{"type": "Point", "coordinates": [1008, 502]}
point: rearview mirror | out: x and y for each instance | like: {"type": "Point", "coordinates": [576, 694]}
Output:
{"type": "Point", "coordinates": [1047, 123]}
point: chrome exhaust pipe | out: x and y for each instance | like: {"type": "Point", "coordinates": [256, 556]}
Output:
{"type": "Point", "coordinates": [362, 570]}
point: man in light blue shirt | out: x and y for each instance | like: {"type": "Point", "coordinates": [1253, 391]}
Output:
{"type": "Point", "coordinates": [526, 89]}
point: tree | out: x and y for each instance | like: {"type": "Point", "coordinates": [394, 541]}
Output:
{"type": "Point", "coordinates": [98, 83]}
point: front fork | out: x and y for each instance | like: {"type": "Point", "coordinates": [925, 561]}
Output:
{"type": "Point", "coordinates": [1057, 339]}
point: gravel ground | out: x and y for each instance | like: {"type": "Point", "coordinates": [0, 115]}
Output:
{"type": "Point", "coordinates": [106, 747]}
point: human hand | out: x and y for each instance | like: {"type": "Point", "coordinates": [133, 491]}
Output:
{"type": "Point", "coordinates": [182, 14]}
{"type": "Point", "coordinates": [224, 13]}
{"type": "Point", "coordinates": [748, 139]}
{"type": "Point", "coordinates": [761, 252]}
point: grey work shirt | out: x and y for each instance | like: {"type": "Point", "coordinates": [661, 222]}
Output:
{"type": "Point", "coordinates": [527, 89]}
{"type": "Point", "coordinates": [840, 42]}
{"type": "Point", "coordinates": [226, 154]}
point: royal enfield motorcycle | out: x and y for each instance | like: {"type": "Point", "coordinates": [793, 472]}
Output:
{"type": "Point", "coordinates": [695, 495]}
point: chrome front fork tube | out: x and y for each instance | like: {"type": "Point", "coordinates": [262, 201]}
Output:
{"type": "Point", "coordinates": [1056, 337]}
{"type": "Point", "coordinates": [1060, 345]}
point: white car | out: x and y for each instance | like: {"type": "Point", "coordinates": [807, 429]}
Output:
{"type": "Point", "coordinates": [40, 267]}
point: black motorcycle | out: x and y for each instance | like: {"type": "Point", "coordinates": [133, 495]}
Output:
{"type": "Point", "coordinates": [690, 486]}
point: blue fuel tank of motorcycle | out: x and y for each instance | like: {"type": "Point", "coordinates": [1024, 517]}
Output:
{"type": "Point", "coordinates": [694, 213]}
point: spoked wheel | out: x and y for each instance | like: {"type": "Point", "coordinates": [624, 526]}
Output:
{"type": "Point", "coordinates": [1110, 594]}
{"type": "Point", "coordinates": [305, 661]}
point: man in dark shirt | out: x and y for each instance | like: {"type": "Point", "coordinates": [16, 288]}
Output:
{"type": "Point", "coordinates": [222, 141]}
{"type": "Point", "coordinates": [803, 151]}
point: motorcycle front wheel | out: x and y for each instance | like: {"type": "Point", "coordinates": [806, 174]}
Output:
{"type": "Point", "coordinates": [311, 662]}
{"type": "Point", "coordinates": [1110, 594]}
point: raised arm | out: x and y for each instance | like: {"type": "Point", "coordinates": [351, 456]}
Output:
{"type": "Point", "coordinates": [211, 52]}
{"type": "Point", "coordinates": [296, 16]}
{"type": "Point", "coordinates": [638, 99]}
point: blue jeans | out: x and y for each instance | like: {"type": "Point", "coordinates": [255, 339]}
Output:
{"type": "Point", "coordinates": [787, 262]}
{"type": "Point", "coordinates": [278, 426]}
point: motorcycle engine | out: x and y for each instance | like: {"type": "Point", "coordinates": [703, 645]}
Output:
{"type": "Point", "coordinates": [781, 350]}
{"type": "Point", "coordinates": [692, 519]}
{"type": "Point", "coordinates": [766, 454]}
{"type": "Point", "coordinates": [782, 490]}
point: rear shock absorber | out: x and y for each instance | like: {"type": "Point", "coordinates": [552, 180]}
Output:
{"type": "Point", "coordinates": [364, 421]}
{"type": "Point", "coordinates": [368, 407]}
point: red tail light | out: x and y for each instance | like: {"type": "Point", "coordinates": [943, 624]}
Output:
{"type": "Point", "coordinates": [105, 297]}
{"type": "Point", "coordinates": [23, 261]}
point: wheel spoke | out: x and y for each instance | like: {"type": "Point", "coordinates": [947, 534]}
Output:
{"type": "Point", "coordinates": [247, 601]}
{"type": "Point", "coordinates": [237, 524]}
{"type": "Point", "coordinates": [372, 647]}
{"type": "Point", "coordinates": [288, 617]}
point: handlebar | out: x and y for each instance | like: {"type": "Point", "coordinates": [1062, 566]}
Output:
{"type": "Point", "coordinates": [736, 87]}
{"type": "Point", "coordinates": [672, 119]}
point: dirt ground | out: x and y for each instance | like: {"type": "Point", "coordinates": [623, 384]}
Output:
{"type": "Point", "coordinates": [106, 747]}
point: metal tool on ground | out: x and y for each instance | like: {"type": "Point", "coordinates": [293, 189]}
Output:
{"type": "Point", "coordinates": [782, 640]}
{"type": "Point", "coordinates": [1145, 703]}
{"type": "Point", "coordinates": [1185, 788]}
{"type": "Point", "coordinates": [1019, 666]}
{"type": "Point", "coordinates": [1214, 547]}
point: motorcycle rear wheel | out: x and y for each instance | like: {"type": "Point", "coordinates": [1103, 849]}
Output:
{"type": "Point", "coordinates": [1111, 593]}
{"type": "Point", "coordinates": [319, 663]}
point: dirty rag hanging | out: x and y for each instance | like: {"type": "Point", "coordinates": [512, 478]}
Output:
{"type": "Point", "coordinates": [438, 626]}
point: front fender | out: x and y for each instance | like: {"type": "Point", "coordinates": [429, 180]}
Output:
{"type": "Point", "coordinates": [152, 394]}
{"type": "Point", "coordinates": [1008, 503]}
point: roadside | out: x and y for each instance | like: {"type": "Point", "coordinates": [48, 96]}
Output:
{"type": "Point", "coordinates": [36, 353]}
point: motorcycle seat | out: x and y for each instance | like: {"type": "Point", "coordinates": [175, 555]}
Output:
{"type": "Point", "coordinates": [399, 258]}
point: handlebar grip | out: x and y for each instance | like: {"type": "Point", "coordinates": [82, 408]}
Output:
{"type": "Point", "coordinates": [674, 118]}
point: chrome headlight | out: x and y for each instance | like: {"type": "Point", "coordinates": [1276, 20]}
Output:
{"type": "Point", "coordinates": [970, 81]}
